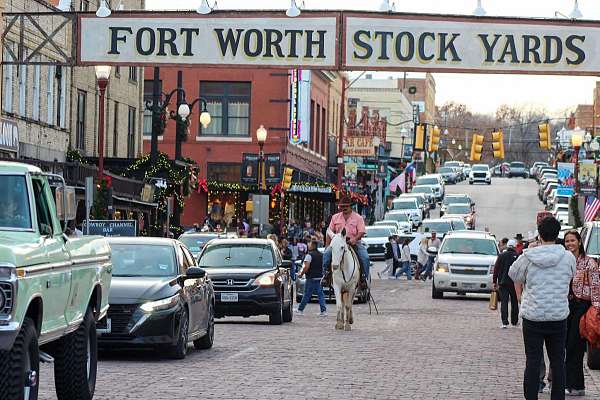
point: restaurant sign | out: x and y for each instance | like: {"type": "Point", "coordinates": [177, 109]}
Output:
{"type": "Point", "coordinates": [359, 146]}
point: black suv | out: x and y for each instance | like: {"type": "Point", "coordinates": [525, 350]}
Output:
{"type": "Point", "coordinates": [250, 278]}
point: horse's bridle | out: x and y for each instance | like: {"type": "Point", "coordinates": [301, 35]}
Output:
{"type": "Point", "coordinates": [342, 264]}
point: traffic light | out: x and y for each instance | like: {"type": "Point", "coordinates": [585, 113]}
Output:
{"type": "Point", "coordinates": [545, 136]}
{"type": "Point", "coordinates": [434, 140]}
{"type": "Point", "coordinates": [286, 182]}
{"type": "Point", "coordinates": [476, 147]}
{"type": "Point", "coordinates": [419, 138]}
{"type": "Point", "coordinates": [498, 144]}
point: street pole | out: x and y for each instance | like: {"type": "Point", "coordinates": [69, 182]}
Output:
{"type": "Point", "coordinates": [576, 171]}
{"type": "Point", "coordinates": [102, 86]}
{"type": "Point", "coordinates": [340, 152]}
{"type": "Point", "coordinates": [261, 166]}
{"type": "Point", "coordinates": [155, 114]}
{"type": "Point", "coordinates": [179, 134]}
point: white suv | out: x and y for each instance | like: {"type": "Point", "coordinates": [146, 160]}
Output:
{"type": "Point", "coordinates": [464, 263]}
{"type": "Point", "coordinates": [436, 182]}
{"type": "Point", "coordinates": [410, 207]}
{"type": "Point", "coordinates": [480, 173]}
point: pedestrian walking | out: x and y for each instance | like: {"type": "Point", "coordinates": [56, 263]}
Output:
{"type": "Point", "coordinates": [502, 244]}
{"type": "Point", "coordinates": [505, 286]}
{"type": "Point", "coordinates": [584, 293]}
{"type": "Point", "coordinates": [405, 261]}
{"type": "Point", "coordinates": [520, 245]}
{"type": "Point", "coordinates": [436, 243]}
{"type": "Point", "coordinates": [313, 269]}
{"type": "Point", "coordinates": [422, 257]}
{"type": "Point", "coordinates": [545, 272]}
{"type": "Point", "coordinates": [391, 257]}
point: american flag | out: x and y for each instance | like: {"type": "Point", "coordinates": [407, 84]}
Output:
{"type": "Point", "coordinates": [592, 206]}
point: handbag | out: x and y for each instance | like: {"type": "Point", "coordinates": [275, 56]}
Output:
{"type": "Point", "coordinates": [493, 301]}
{"type": "Point", "coordinates": [589, 327]}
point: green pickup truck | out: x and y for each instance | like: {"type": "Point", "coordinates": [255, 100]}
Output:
{"type": "Point", "coordinates": [53, 288]}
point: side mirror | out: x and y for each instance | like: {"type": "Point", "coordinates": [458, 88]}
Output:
{"type": "Point", "coordinates": [287, 264]}
{"type": "Point", "coordinates": [195, 273]}
{"type": "Point", "coordinates": [432, 250]}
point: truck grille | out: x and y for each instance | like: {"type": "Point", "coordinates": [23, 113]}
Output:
{"type": "Point", "coordinates": [375, 248]}
{"type": "Point", "coordinates": [469, 269]}
{"type": "Point", "coordinates": [238, 285]}
{"type": "Point", "coordinates": [479, 174]}
{"type": "Point", "coordinates": [120, 315]}
{"type": "Point", "coordinates": [7, 291]}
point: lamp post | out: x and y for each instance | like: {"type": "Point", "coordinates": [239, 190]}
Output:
{"type": "Point", "coordinates": [102, 76]}
{"type": "Point", "coordinates": [576, 141]}
{"type": "Point", "coordinates": [403, 136]}
{"type": "Point", "coordinates": [261, 137]}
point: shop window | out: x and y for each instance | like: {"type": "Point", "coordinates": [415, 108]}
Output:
{"type": "Point", "coordinates": [229, 106]}
{"type": "Point", "coordinates": [223, 172]}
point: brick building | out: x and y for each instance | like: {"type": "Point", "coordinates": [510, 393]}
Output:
{"type": "Point", "coordinates": [424, 96]}
{"type": "Point", "coordinates": [584, 116]}
{"type": "Point", "coordinates": [240, 101]}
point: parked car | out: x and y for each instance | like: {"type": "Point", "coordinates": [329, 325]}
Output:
{"type": "Point", "coordinates": [52, 287]}
{"type": "Point", "coordinates": [438, 225]}
{"type": "Point", "coordinates": [480, 173]}
{"type": "Point", "coordinates": [535, 167]}
{"type": "Point", "coordinates": [463, 211]}
{"type": "Point", "coordinates": [410, 207]}
{"type": "Point", "coordinates": [436, 182]}
{"type": "Point", "coordinates": [250, 277]}
{"type": "Point", "coordinates": [545, 185]}
{"type": "Point", "coordinates": [398, 227]}
{"type": "Point", "coordinates": [518, 168]}
{"type": "Point", "coordinates": [195, 242]}
{"type": "Point", "coordinates": [455, 199]}
{"type": "Point", "coordinates": [428, 192]}
{"type": "Point", "coordinates": [158, 298]}
{"type": "Point", "coordinates": [401, 217]}
{"type": "Point", "coordinates": [464, 263]}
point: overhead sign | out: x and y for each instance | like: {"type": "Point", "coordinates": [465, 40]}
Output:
{"type": "Point", "coordinates": [273, 168]}
{"type": "Point", "coordinates": [359, 146]}
{"type": "Point", "coordinates": [249, 39]}
{"type": "Point", "coordinates": [368, 41]}
{"type": "Point", "coordinates": [112, 228]}
{"type": "Point", "coordinates": [9, 136]}
{"type": "Point", "coordinates": [467, 44]}
{"type": "Point", "coordinates": [249, 173]}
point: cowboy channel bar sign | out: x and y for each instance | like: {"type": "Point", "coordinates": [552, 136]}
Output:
{"type": "Point", "coordinates": [342, 41]}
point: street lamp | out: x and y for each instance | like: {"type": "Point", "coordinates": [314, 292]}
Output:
{"type": "Point", "coordinates": [479, 11]}
{"type": "Point", "coordinates": [103, 11]}
{"type": "Point", "coordinates": [293, 11]}
{"type": "Point", "coordinates": [261, 138]}
{"type": "Point", "coordinates": [453, 141]}
{"type": "Point", "coordinates": [576, 141]}
{"type": "Point", "coordinates": [102, 76]}
{"type": "Point", "coordinates": [403, 137]}
{"type": "Point", "coordinates": [204, 8]}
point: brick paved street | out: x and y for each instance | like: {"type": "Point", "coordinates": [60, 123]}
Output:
{"type": "Point", "coordinates": [417, 348]}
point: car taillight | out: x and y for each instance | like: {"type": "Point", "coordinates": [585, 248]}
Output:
{"type": "Point", "coordinates": [265, 280]}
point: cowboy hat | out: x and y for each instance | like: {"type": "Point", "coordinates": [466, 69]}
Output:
{"type": "Point", "coordinates": [345, 200]}
{"type": "Point", "coordinates": [519, 236]}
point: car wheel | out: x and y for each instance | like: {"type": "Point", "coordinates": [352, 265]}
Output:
{"type": "Point", "coordinates": [179, 350]}
{"type": "Point", "coordinates": [75, 361]}
{"type": "Point", "coordinates": [20, 366]}
{"type": "Point", "coordinates": [593, 357]}
{"type": "Point", "coordinates": [276, 318]}
{"type": "Point", "coordinates": [470, 182]}
{"type": "Point", "coordinates": [489, 183]}
{"type": "Point", "coordinates": [288, 312]}
{"type": "Point", "coordinates": [436, 294]}
{"type": "Point", "coordinates": [206, 341]}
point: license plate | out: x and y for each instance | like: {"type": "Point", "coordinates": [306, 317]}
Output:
{"type": "Point", "coordinates": [468, 285]}
{"type": "Point", "coordinates": [104, 326]}
{"type": "Point", "coordinates": [229, 297]}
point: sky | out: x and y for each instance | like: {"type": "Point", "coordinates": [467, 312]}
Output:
{"type": "Point", "coordinates": [482, 93]}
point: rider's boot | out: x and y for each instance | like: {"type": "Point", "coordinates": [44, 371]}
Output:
{"type": "Point", "coordinates": [326, 281]}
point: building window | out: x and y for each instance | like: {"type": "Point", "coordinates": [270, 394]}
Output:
{"type": "Point", "coordinates": [61, 97]}
{"type": "Point", "coordinates": [133, 74]}
{"type": "Point", "coordinates": [84, 5]}
{"type": "Point", "coordinates": [131, 133]}
{"type": "Point", "coordinates": [50, 94]}
{"type": "Point", "coordinates": [7, 88]}
{"type": "Point", "coordinates": [117, 71]}
{"type": "Point", "coordinates": [323, 130]}
{"type": "Point", "coordinates": [148, 89]}
{"type": "Point", "coordinates": [80, 121]}
{"type": "Point", "coordinates": [229, 106]}
{"type": "Point", "coordinates": [37, 72]}
{"type": "Point", "coordinates": [311, 145]}
{"type": "Point", "coordinates": [223, 172]}
{"type": "Point", "coordinates": [23, 90]}
{"type": "Point", "coordinates": [116, 131]}
{"type": "Point", "coordinates": [317, 146]}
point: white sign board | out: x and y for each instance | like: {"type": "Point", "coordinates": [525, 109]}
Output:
{"type": "Point", "coordinates": [498, 45]}
{"type": "Point", "coordinates": [213, 40]}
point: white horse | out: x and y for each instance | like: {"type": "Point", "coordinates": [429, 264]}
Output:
{"type": "Point", "coordinates": [346, 273]}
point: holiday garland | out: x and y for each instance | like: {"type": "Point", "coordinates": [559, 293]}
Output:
{"type": "Point", "coordinates": [75, 156]}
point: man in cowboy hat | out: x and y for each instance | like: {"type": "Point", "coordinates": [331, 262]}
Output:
{"type": "Point", "coordinates": [355, 230]}
{"type": "Point", "coordinates": [520, 245]}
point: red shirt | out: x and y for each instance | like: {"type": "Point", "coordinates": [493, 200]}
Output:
{"type": "Point", "coordinates": [519, 248]}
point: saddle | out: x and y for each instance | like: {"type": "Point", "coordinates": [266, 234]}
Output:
{"type": "Point", "coordinates": [327, 280]}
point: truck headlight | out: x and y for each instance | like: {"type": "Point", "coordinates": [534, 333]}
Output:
{"type": "Point", "coordinates": [160, 305]}
{"type": "Point", "coordinates": [442, 267]}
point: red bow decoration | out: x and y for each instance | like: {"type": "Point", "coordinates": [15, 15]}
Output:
{"type": "Point", "coordinates": [276, 189]}
{"type": "Point", "coordinates": [108, 180]}
{"type": "Point", "coordinates": [202, 185]}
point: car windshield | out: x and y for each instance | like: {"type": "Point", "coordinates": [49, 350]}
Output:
{"type": "Point", "coordinates": [143, 260]}
{"type": "Point", "coordinates": [427, 181]}
{"type": "Point", "coordinates": [469, 246]}
{"type": "Point", "coordinates": [237, 255]}
{"type": "Point", "coordinates": [397, 217]}
{"type": "Point", "coordinates": [439, 227]}
{"type": "Point", "coordinates": [452, 164]}
{"type": "Point", "coordinates": [446, 170]}
{"type": "Point", "coordinates": [422, 189]}
{"type": "Point", "coordinates": [390, 224]}
{"type": "Point", "coordinates": [378, 232]}
{"type": "Point", "coordinates": [480, 168]}
{"type": "Point", "coordinates": [459, 224]}
{"type": "Point", "coordinates": [404, 205]}
{"type": "Point", "coordinates": [562, 200]}
{"type": "Point", "coordinates": [14, 213]}
{"type": "Point", "coordinates": [457, 200]}
{"type": "Point", "coordinates": [196, 242]}
{"type": "Point", "coordinates": [517, 165]}
{"type": "Point", "coordinates": [458, 209]}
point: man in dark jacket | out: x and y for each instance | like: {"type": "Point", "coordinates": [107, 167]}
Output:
{"type": "Point", "coordinates": [505, 286]}
{"type": "Point", "coordinates": [313, 269]}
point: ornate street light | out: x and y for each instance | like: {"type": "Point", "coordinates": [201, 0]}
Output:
{"type": "Point", "coordinates": [261, 138]}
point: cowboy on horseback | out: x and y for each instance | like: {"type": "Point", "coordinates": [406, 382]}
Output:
{"type": "Point", "coordinates": [355, 230]}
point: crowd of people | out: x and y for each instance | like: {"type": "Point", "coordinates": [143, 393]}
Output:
{"type": "Point", "coordinates": [550, 284]}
